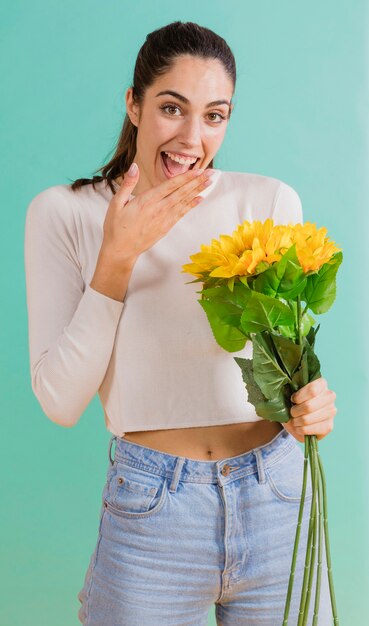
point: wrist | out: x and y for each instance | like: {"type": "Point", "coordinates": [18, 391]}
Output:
{"type": "Point", "coordinates": [114, 263]}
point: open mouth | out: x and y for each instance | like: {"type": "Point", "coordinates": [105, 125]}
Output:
{"type": "Point", "coordinates": [173, 168]}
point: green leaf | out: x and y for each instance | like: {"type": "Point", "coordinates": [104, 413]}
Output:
{"type": "Point", "coordinates": [300, 376]}
{"type": "Point", "coordinates": [267, 372]}
{"type": "Point", "coordinates": [313, 363]}
{"type": "Point", "coordinates": [285, 278]}
{"type": "Point", "coordinates": [310, 337]}
{"type": "Point", "coordinates": [287, 331]}
{"type": "Point", "coordinates": [262, 266]}
{"type": "Point", "coordinates": [320, 291]}
{"type": "Point", "coordinates": [238, 297]}
{"type": "Point", "coordinates": [254, 392]}
{"type": "Point", "coordinates": [224, 309]}
{"type": "Point", "coordinates": [264, 313]}
{"type": "Point", "coordinates": [244, 280]}
{"type": "Point", "coordinates": [227, 335]}
{"type": "Point", "coordinates": [309, 368]}
{"type": "Point", "coordinates": [289, 352]}
{"type": "Point", "coordinates": [230, 283]}
{"type": "Point", "coordinates": [275, 410]}
{"type": "Point", "coordinates": [306, 323]}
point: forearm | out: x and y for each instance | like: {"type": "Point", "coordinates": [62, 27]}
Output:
{"type": "Point", "coordinates": [110, 278]}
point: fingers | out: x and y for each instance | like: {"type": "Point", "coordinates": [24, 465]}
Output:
{"type": "Point", "coordinates": [183, 199]}
{"type": "Point", "coordinates": [321, 415]}
{"type": "Point", "coordinates": [319, 429]}
{"type": "Point", "coordinates": [185, 182]}
{"type": "Point", "coordinates": [313, 388]}
{"type": "Point", "coordinates": [127, 185]}
{"type": "Point", "coordinates": [324, 399]}
{"type": "Point", "coordinates": [314, 411]}
{"type": "Point", "coordinates": [186, 205]}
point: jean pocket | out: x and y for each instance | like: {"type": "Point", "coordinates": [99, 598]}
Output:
{"type": "Point", "coordinates": [132, 492]}
{"type": "Point", "coordinates": [285, 477]}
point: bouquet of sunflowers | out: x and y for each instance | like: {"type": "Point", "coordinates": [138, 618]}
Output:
{"type": "Point", "coordinates": [259, 284]}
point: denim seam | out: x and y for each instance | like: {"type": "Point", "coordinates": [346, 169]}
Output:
{"type": "Point", "coordinates": [283, 497]}
{"type": "Point", "coordinates": [235, 476]}
{"type": "Point", "coordinates": [286, 450]}
{"type": "Point", "coordinates": [88, 590]}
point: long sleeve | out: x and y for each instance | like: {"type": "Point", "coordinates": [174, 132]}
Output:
{"type": "Point", "coordinates": [71, 326]}
{"type": "Point", "coordinates": [287, 206]}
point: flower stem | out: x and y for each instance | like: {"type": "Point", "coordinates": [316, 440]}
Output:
{"type": "Point", "coordinates": [320, 549]}
{"type": "Point", "coordinates": [317, 521]}
{"type": "Point", "coordinates": [297, 535]}
{"type": "Point", "coordinates": [299, 333]}
{"type": "Point", "coordinates": [327, 547]}
{"type": "Point", "coordinates": [313, 550]}
{"type": "Point", "coordinates": [310, 534]}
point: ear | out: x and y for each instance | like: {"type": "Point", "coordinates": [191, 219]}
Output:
{"type": "Point", "coordinates": [132, 107]}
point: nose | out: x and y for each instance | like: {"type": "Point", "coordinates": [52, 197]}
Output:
{"type": "Point", "coordinates": [190, 133]}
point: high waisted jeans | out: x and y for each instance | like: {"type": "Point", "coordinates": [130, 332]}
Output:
{"type": "Point", "coordinates": [177, 536]}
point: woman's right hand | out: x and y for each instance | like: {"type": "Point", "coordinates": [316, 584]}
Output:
{"type": "Point", "coordinates": [133, 226]}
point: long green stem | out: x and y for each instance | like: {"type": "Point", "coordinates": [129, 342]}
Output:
{"type": "Point", "coordinates": [297, 535]}
{"type": "Point", "coordinates": [315, 473]}
{"type": "Point", "coordinates": [327, 547]}
{"type": "Point", "coordinates": [320, 549]}
{"type": "Point", "coordinates": [299, 333]}
{"type": "Point", "coordinates": [310, 536]}
{"type": "Point", "coordinates": [320, 519]}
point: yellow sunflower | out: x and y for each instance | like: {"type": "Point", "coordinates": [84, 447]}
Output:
{"type": "Point", "coordinates": [254, 242]}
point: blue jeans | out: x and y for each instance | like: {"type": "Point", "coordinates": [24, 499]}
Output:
{"type": "Point", "coordinates": [177, 536]}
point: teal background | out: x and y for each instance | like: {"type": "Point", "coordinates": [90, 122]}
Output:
{"type": "Point", "coordinates": [300, 115]}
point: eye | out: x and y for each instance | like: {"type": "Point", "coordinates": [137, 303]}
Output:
{"type": "Point", "coordinates": [222, 117]}
{"type": "Point", "coordinates": [169, 106]}
{"type": "Point", "coordinates": [174, 106]}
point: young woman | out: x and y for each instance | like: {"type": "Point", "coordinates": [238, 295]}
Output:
{"type": "Point", "coordinates": [201, 499]}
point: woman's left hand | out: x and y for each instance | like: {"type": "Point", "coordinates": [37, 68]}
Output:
{"type": "Point", "coordinates": [313, 411]}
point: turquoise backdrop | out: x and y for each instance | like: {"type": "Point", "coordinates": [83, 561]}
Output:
{"type": "Point", "coordinates": [301, 115]}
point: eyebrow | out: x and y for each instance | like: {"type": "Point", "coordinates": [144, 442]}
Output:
{"type": "Point", "coordinates": [186, 101]}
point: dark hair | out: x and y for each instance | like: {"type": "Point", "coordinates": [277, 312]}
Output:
{"type": "Point", "coordinates": [156, 56]}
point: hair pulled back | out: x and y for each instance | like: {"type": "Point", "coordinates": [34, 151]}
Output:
{"type": "Point", "coordinates": [157, 56]}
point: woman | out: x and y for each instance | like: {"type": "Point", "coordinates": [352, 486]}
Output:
{"type": "Point", "coordinates": [201, 499]}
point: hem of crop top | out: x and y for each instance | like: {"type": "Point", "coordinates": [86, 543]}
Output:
{"type": "Point", "coordinates": [144, 427]}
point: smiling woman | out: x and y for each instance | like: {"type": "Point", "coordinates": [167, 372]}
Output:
{"type": "Point", "coordinates": [196, 56]}
{"type": "Point", "coordinates": [186, 160]}
{"type": "Point", "coordinates": [196, 472]}
{"type": "Point", "coordinates": [171, 134]}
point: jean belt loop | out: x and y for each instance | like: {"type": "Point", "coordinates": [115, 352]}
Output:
{"type": "Point", "coordinates": [111, 443]}
{"type": "Point", "coordinates": [176, 474]}
{"type": "Point", "coordinates": [260, 465]}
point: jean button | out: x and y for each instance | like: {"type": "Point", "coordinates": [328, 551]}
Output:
{"type": "Point", "coordinates": [226, 469]}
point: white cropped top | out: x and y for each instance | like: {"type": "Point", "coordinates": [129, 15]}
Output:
{"type": "Point", "coordinates": [152, 359]}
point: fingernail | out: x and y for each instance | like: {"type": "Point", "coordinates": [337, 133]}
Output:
{"type": "Point", "coordinates": [133, 169]}
{"type": "Point", "coordinates": [293, 398]}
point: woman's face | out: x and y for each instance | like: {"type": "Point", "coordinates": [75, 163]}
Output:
{"type": "Point", "coordinates": [192, 123]}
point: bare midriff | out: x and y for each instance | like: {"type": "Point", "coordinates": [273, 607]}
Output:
{"type": "Point", "coordinates": [208, 443]}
